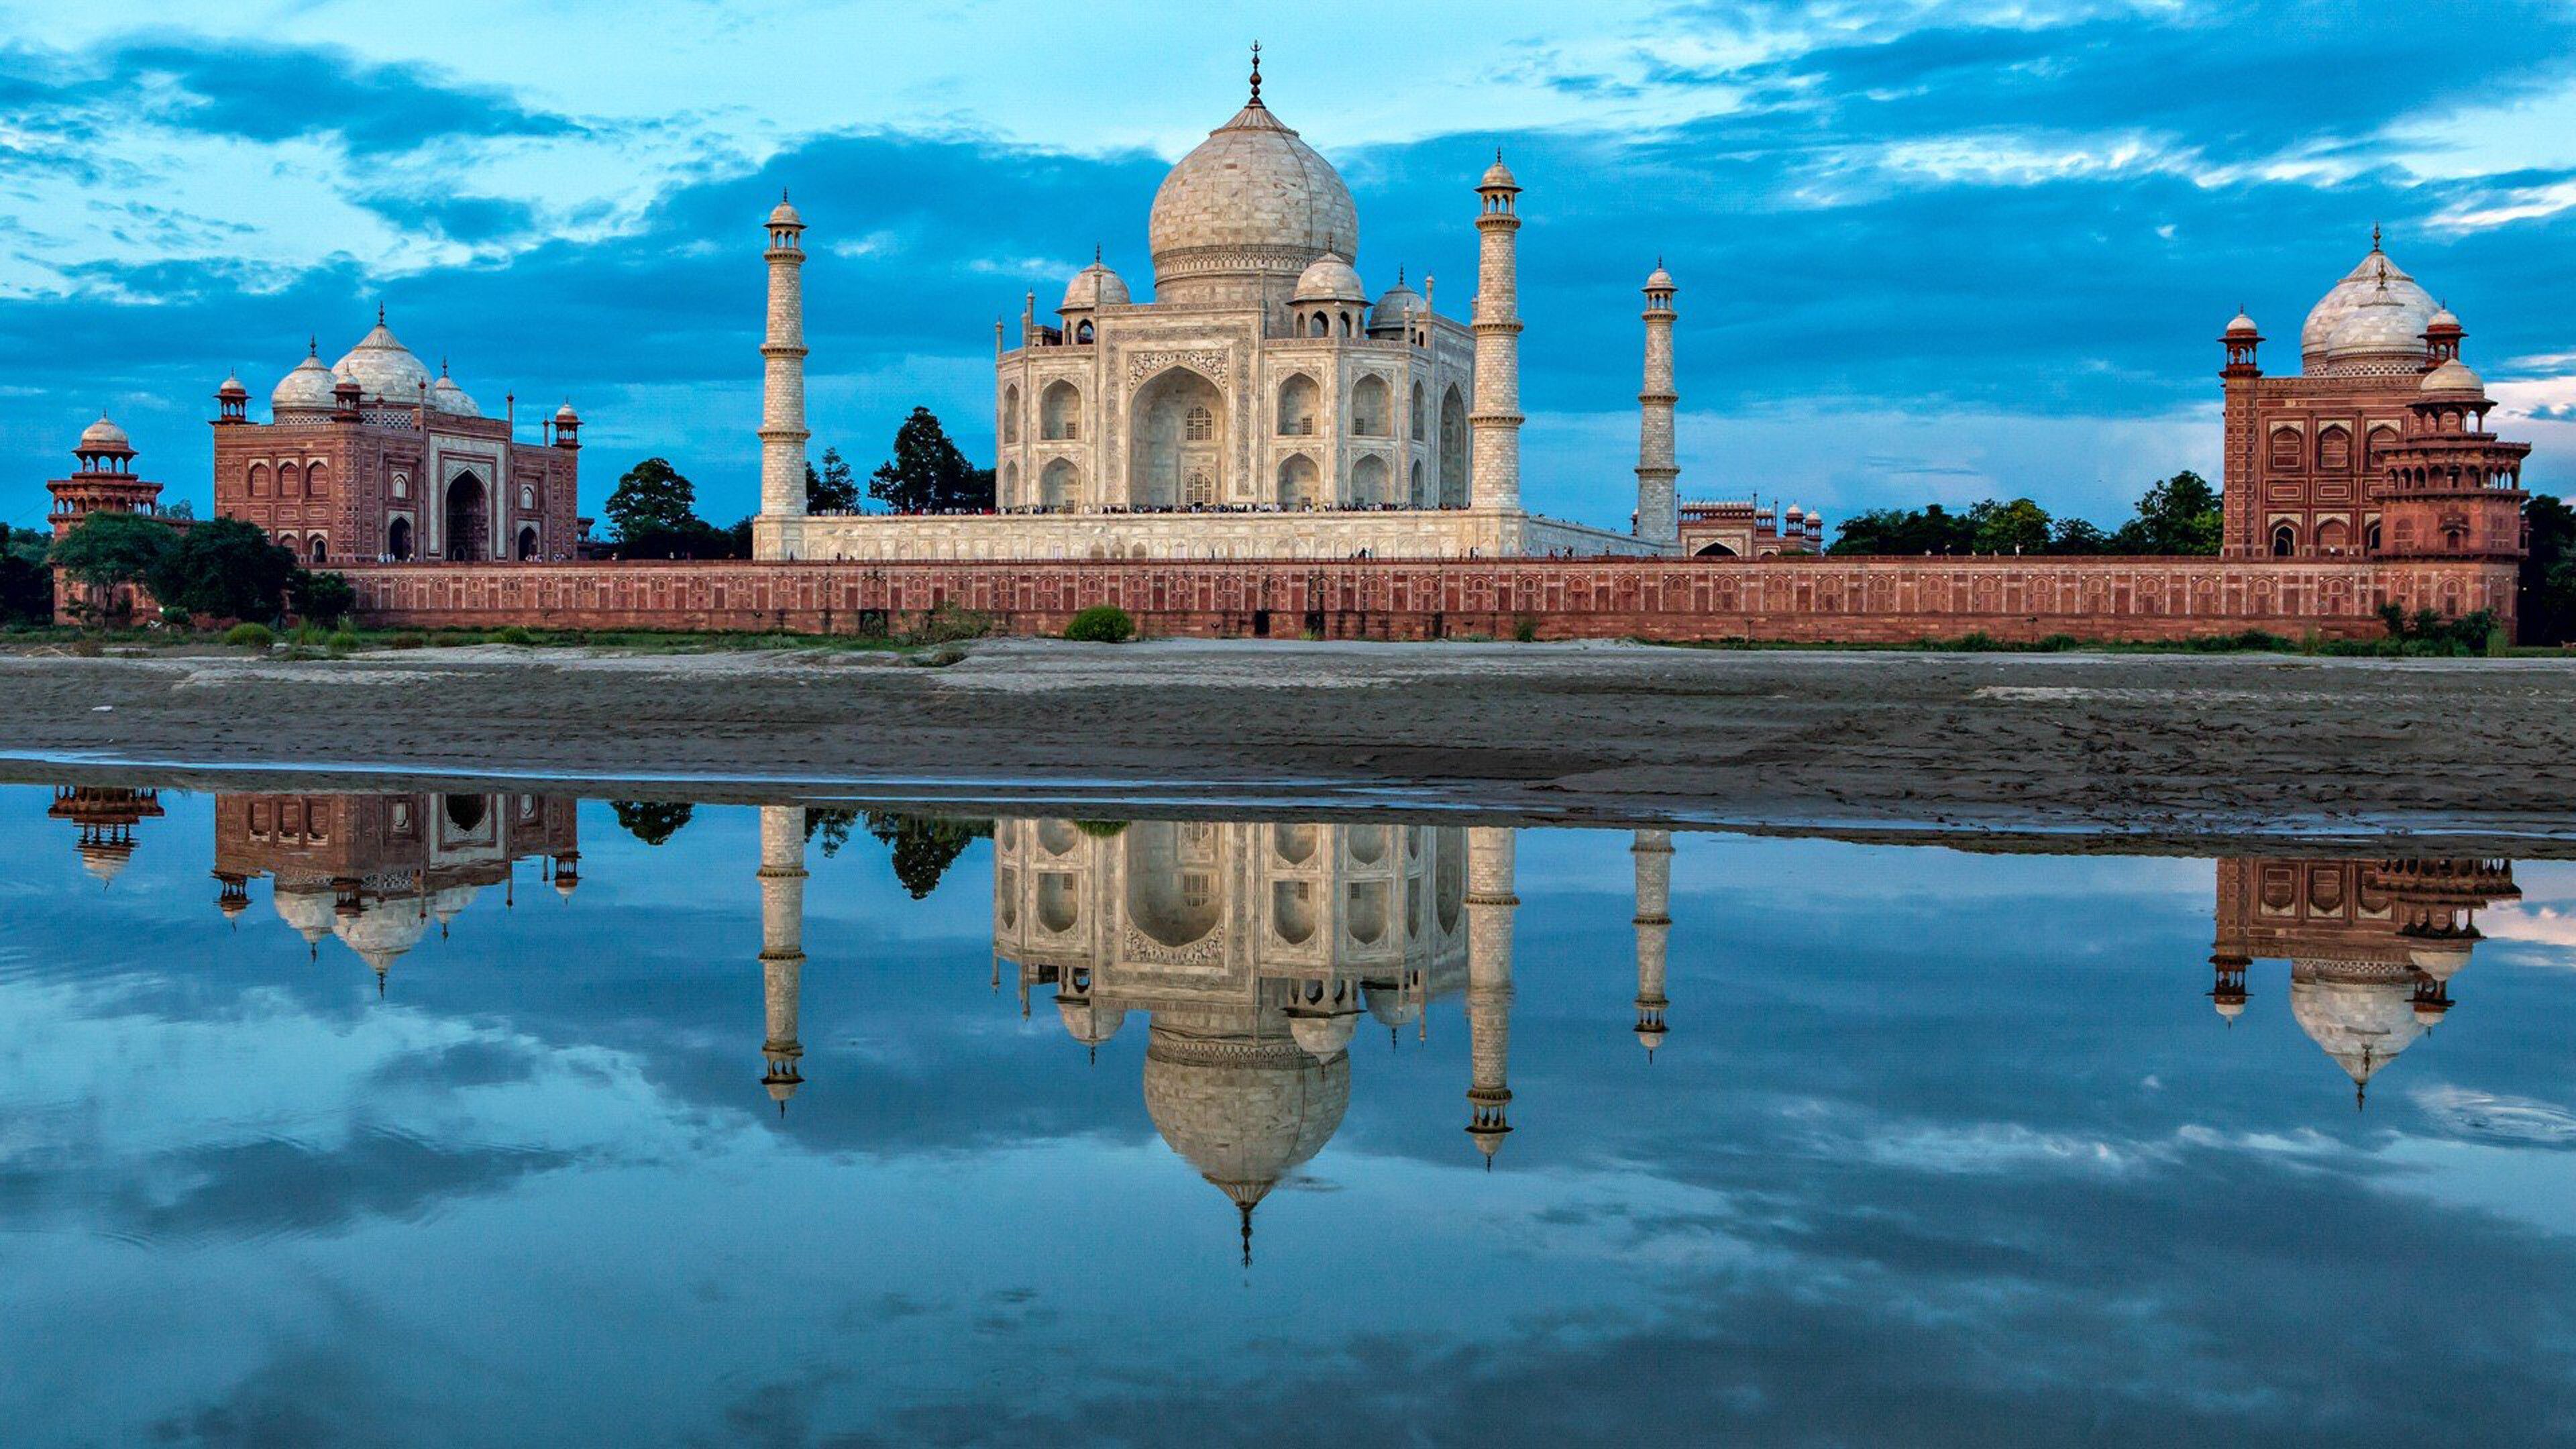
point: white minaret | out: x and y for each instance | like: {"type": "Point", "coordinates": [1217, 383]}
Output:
{"type": "Point", "coordinates": [1491, 852]}
{"type": "Point", "coordinates": [782, 944]}
{"type": "Point", "coordinates": [1654, 852]}
{"type": "Point", "coordinates": [1658, 515]}
{"type": "Point", "coordinates": [1495, 422]}
{"type": "Point", "coordinates": [782, 386]}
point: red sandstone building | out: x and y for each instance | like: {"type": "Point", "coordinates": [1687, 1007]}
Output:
{"type": "Point", "coordinates": [2378, 447]}
{"type": "Point", "coordinates": [1746, 529]}
{"type": "Point", "coordinates": [373, 460]}
{"type": "Point", "coordinates": [104, 482]}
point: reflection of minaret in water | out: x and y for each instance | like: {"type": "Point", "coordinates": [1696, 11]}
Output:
{"type": "Point", "coordinates": [1654, 852]}
{"type": "Point", "coordinates": [1490, 902]}
{"type": "Point", "coordinates": [782, 943]}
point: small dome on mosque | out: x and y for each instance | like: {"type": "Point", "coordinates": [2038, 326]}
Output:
{"type": "Point", "coordinates": [1093, 287]}
{"type": "Point", "coordinates": [1498, 176]}
{"type": "Point", "coordinates": [783, 214]}
{"type": "Point", "coordinates": [565, 414]}
{"type": "Point", "coordinates": [382, 367]}
{"type": "Point", "coordinates": [2444, 321]}
{"type": "Point", "coordinates": [1390, 1004]}
{"type": "Point", "coordinates": [2243, 326]}
{"type": "Point", "coordinates": [1250, 198]}
{"type": "Point", "coordinates": [232, 387]}
{"type": "Point", "coordinates": [232, 906]}
{"type": "Point", "coordinates": [306, 387]}
{"type": "Point", "coordinates": [1322, 1036]}
{"type": "Point", "coordinates": [1087, 1021]}
{"type": "Point", "coordinates": [447, 397]}
{"type": "Point", "coordinates": [1660, 280]}
{"type": "Point", "coordinates": [1329, 278]}
{"type": "Point", "coordinates": [2452, 376]}
{"type": "Point", "coordinates": [2429, 1014]}
{"type": "Point", "coordinates": [2374, 277]}
{"type": "Point", "coordinates": [103, 437]}
{"type": "Point", "coordinates": [305, 906]}
{"type": "Point", "coordinates": [105, 860]}
{"type": "Point", "coordinates": [2229, 1007]}
{"type": "Point", "coordinates": [383, 930]}
{"type": "Point", "coordinates": [1392, 307]}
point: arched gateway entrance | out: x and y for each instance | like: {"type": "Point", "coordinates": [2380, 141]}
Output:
{"type": "Point", "coordinates": [469, 518]}
{"type": "Point", "coordinates": [1178, 455]}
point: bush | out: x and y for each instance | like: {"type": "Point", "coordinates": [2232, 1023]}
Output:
{"type": "Point", "coordinates": [322, 598]}
{"type": "Point", "coordinates": [407, 641]}
{"type": "Point", "coordinates": [1101, 624]}
{"type": "Point", "coordinates": [1525, 629]}
{"type": "Point", "coordinates": [250, 636]}
{"type": "Point", "coordinates": [948, 624]}
{"type": "Point", "coordinates": [343, 642]}
{"type": "Point", "coordinates": [514, 634]}
{"type": "Point", "coordinates": [307, 633]}
{"type": "Point", "coordinates": [175, 617]}
{"type": "Point", "coordinates": [1101, 829]}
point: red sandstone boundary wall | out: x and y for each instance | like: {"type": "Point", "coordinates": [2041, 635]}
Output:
{"type": "Point", "coordinates": [1814, 600]}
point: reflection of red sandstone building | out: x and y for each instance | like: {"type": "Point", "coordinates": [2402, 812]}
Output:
{"type": "Point", "coordinates": [2372, 944]}
{"type": "Point", "coordinates": [2378, 447]}
{"type": "Point", "coordinates": [377, 870]}
{"type": "Point", "coordinates": [1741, 529]}
{"type": "Point", "coordinates": [106, 815]}
{"type": "Point", "coordinates": [103, 483]}
{"type": "Point", "coordinates": [372, 459]}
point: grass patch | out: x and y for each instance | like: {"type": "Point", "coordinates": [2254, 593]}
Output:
{"type": "Point", "coordinates": [250, 636]}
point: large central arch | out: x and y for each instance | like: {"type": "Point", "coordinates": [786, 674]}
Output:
{"type": "Point", "coordinates": [1177, 429]}
{"type": "Point", "coordinates": [468, 517]}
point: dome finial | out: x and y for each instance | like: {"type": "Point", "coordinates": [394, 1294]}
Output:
{"type": "Point", "coordinates": [1247, 1234]}
{"type": "Point", "coordinates": [380, 314]}
{"type": "Point", "coordinates": [1256, 73]}
{"type": "Point", "coordinates": [2374, 236]}
{"type": "Point", "coordinates": [313, 345]}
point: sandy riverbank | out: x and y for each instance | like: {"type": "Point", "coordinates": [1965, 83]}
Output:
{"type": "Point", "coordinates": [2144, 746]}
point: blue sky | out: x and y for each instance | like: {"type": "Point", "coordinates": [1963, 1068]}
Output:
{"type": "Point", "coordinates": [1927, 250]}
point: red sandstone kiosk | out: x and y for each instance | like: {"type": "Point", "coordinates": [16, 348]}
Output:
{"type": "Point", "coordinates": [104, 482]}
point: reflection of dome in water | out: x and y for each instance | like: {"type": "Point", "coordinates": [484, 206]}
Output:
{"type": "Point", "coordinates": [383, 930]}
{"type": "Point", "coordinates": [1323, 1035]}
{"type": "Point", "coordinates": [1391, 1004]}
{"type": "Point", "coordinates": [1245, 1110]}
{"type": "Point", "coordinates": [305, 906]}
{"type": "Point", "coordinates": [105, 859]}
{"type": "Point", "coordinates": [2361, 1012]}
{"type": "Point", "coordinates": [1088, 1021]}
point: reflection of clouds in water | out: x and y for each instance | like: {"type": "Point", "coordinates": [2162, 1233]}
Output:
{"type": "Point", "coordinates": [2541, 925]}
{"type": "Point", "coordinates": [2483, 1115]}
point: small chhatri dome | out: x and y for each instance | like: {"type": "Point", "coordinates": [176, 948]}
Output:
{"type": "Point", "coordinates": [565, 414]}
{"type": "Point", "coordinates": [783, 214]}
{"type": "Point", "coordinates": [2453, 376]}
{"type": "Point", "coordinates": [2243, 326]}
{"type": "Point", "coordinates": [232, 388]}
{"type": "Point", "coordinates": [382, 367]}
{"type": "Point", "coordinates": [2444, 321]}
{"type": "Point", "coordinates": [1093, 287]}
{"type": "Point", "coordinates": [104, 437]}
{"type": "Point", "coordinates": [1498, 177]}
{"type": "Point", "coordinates": [1660, 280]}
{"type": "Point", "coordinates": [1330, 279]}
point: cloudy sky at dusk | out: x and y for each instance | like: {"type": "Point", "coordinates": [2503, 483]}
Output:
{"type": "Point", "coordinates": [1927, 250]}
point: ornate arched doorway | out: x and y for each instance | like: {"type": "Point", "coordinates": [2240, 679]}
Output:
{"type": "Point", "coordinates": [527, 544]}
{"type": "Point", "coordinates": [398, 540]}
{"type": "Point", "coordinates": [469, 516]}
{"type": "Point", "coordinates": [1453, 450]}
{"type": "Point", "coordinates": [1178, 428]}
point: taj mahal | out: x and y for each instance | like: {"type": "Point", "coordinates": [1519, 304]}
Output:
{"type": "Point", "coordinates": [1262, 405]}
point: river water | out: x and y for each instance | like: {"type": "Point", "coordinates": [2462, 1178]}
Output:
{"type": "Point", "coordinates": [437, 1119]}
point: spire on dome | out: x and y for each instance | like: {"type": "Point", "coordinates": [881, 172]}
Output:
{"type": "Point", "coordinates": [1256, 80]}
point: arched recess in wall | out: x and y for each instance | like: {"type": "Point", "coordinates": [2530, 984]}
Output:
{"type": "Point", "coordinates": [2285, 540]}
{"type": "Point", "coordinates": [1177, 427]}
{"type": "Point", "coordinates": [398, 544]}
{"type": "Point", "coordinates": [1059, 412]}
{"type": "Point", "coordinates": [1368, 482]}
{"type": "Point", "coordinates": [1301, 483]}
{"type": "Point", "coordinates": [1717, 550]}
{"type": "Point", "coordinates": [1300, 404]}
{"type": "Point", "coordinates": [1059, 486]}
{"type": "Point", "coordinates": [1453, 449]}
{"type": "Point", "coordinates": [1371, 409]}
{"type": "Point", "coordinates": [1010, 415]}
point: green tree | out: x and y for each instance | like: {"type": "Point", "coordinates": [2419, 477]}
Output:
{"type": "Point", "coordinates": [927, 473]}
{"type": "Point", "coordinates": [924, 845]}
{"type": "Point", "coordinates": [107, 549]}
{"type": "Point", "coordinates": [831, 824]}
{"type": "Point", "coordinates": [2078, 536]}
{"type": "Point", "coordinates": [324, 598]}
{"type": "Point", "coordinates": [832, 490]}
{"type": "Point", "coordinates": [653, 498]}
{"type": "Point", "coordinates": [2020, 526]}
{"type": "Point", "coordinates": [651, 821]}
{"type": "Point", "coordinates": [1933, 529]}
{"type": "Point", "coordinates": [2548, 613]}
{"type": "Point", "coordinates": [224, 568]}
{"type": "Point", "coordinates": [2180, 515]}
{"type": "Point", "coordinates": [30, 544]}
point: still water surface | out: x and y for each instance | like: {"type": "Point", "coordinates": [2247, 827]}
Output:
{"type": "Point", "coordinates": [422, 1119]}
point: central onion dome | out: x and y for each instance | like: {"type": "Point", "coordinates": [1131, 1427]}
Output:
{"type": "Point", "coordinates": [2361, 1012]}
{"type": "Point", "coordinates": [1251, 204]}
{"type": "Point", "coordinates": [2400, 313]}
{"type": "Point", "coordinates": [307, 389]}
{"type": "Point", "coordinates": [383, 368]}
{"type": "Point", "coordinates": [1244, 1106]}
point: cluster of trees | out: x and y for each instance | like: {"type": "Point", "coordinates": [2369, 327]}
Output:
{"type": "Point", "coordinates": [2548, 606]}
{"type": "Point", "coordinates": [654, 512]}
{"type": "Point", "coordinates": [26, 585]}
{"type": "Point", "coordinates": [922, 847]}
{"type": "Point", "coordinates": [218, 568]}
{"type": "Point", "coordinates": [2179, 515]}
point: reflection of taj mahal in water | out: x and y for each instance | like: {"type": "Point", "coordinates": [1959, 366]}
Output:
{"type": "Point", "coordinates": [1255, 953]}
